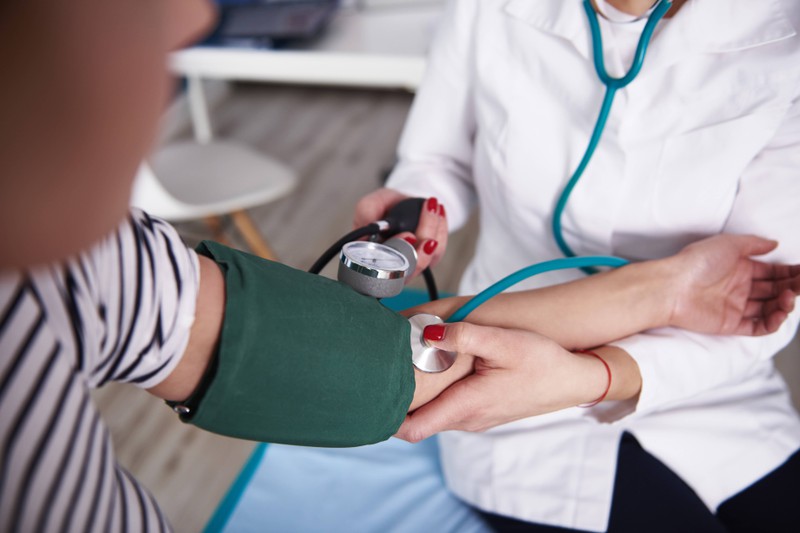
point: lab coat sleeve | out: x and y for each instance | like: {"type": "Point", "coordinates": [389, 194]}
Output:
{"type": "Point", "coordinates": [676, 365]}
{"type": "Point", "coordinates": [435, 151]}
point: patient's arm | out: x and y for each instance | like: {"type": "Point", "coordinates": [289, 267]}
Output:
{"type": "Point", "coordinates": [205, 331]}
{"type": "Point", "coordinates": [712, 286]}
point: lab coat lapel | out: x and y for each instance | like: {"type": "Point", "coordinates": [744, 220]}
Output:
{"type": "Point", "coordinates": [684, 34]}
{"type": "Point", "coordinates": [735, 20]}
{"type": "Point", "coordinates": [687, 33]}
{"type": "Point", "coordinates": [562, 18]}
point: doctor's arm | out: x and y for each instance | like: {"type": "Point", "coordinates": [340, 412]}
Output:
{"type": "Point", "coordinates": [435, 152]}
{"type": "Point", "coordinates": [711, 286]}
{"type": "Point", "coordinates": [678, 364]}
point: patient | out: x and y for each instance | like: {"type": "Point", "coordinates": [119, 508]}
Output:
{"type": "Point", "coordinates": [92, 293]}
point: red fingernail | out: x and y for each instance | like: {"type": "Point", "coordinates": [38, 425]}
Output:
{"type": "Point", "coordinates": [410, 239]}
{"type": "Point", "coordinates": [441, 210]}
{"type": "Point", "coordinates": [434, 332]}
{"type": "Point", "coordinates": [430, 246]}
{"type": "Point", "coordinates": [432, 205]}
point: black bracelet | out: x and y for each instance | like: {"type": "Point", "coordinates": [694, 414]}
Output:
{"type": "Point", "coordinates": [189, 406]}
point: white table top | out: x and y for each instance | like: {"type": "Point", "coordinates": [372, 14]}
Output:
{"type": "Point", "coordinates": [377, 47]}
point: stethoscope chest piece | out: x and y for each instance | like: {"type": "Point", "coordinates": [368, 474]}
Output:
{"type": "Point", "coordinates": [428, 358]}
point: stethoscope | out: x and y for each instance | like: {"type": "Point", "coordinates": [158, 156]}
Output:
{"type": "Point", "coordinates": [379, 269]}
{"type": "Point", "coordinates": [612, 84]}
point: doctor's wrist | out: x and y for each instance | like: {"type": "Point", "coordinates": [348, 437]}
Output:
{"type": "Point", "coordinates": [609, 373]}
{"type": "Point", "coordinates": [660, 283]}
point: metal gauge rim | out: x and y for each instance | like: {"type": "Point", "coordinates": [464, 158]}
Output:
{"type": "Point", "coordinates": [348, 259]}
{"type": "Point", "coordinates": [425, 357]}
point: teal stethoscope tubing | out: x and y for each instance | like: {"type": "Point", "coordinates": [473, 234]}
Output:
{"type": "Point", "coordinates": [612, 85]}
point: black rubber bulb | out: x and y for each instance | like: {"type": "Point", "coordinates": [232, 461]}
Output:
{"type": "Point", "coordinates": [404, 216]}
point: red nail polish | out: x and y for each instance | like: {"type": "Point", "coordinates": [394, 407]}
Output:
{"type": "Point", "coordinates": [410, 239]}
{"type": "Point", "coordinates": [441, 210]}
{"type": "Point", "coordinates": [434, 332]}
{"type": "Point", "coordinates": [430, 246]}
{"type": "Point", "coordinates": [432, 205]}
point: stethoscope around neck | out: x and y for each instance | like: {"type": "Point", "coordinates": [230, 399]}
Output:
{"type": "Point", "coordinates": [379, 269]}
{"type": "Point", "coordinates": [587, 264]}
{"type": "Point", "coordinates": [612, 86]}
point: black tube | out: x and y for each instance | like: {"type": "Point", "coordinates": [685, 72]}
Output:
{"type": "Point", "coordinates": [370, 229]}
{"type": "Point", "coordinates": [433, 292]}
{"type": "Point", "coordinates": [401, 217]}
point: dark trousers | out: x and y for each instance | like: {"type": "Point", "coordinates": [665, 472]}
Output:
{"type": "Point", "coordinates": [649, 497]}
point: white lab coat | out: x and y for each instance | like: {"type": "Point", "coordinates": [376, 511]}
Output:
{"type": "Point", "coordinates": [705, 140]}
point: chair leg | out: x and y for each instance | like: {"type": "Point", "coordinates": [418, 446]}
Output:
{"type": "Point", "coordinates": [252, 236]}
{"type": "Point", "coordinates": [215, 224]}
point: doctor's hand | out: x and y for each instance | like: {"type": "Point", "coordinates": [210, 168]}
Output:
{"type": "Point", "coordinates": [430, 239]}
{"type": "Point", "coordinates": [517, 374]}
{"type": "Point", "coordinates": [722, 290]}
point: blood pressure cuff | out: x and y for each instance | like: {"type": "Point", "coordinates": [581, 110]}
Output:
{"type": "Point", "coordinates": [303, 359]}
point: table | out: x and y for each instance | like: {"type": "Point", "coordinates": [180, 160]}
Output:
{"type": "Point", "coordinates": [373, 47]}
{"type": "Point", "coordinates": [382, 46]}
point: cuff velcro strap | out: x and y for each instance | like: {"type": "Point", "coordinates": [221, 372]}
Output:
{"type": "Point", "coordinates": [303, 359]}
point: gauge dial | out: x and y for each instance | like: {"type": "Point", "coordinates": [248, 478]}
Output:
{"type": "Point", "coordinates": [374, 259]}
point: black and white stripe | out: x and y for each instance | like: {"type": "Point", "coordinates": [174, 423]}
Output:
{"type": "Point", "coordinates": [119, 312]}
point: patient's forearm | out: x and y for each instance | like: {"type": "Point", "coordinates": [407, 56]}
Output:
{"type": "Point", "coordinates": [578, 314]}
{"type": "Point", "coordinates": [429, 386]}
{"type": "Point", "coordinates": [210, 311]}
{"type": "Point", "coordinates": [583, 313]}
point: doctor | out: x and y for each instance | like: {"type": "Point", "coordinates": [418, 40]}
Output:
{"type": "Point", "coordinates": [705, 140]}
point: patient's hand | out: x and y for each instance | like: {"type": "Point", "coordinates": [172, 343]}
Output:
{"type": "Point", "coordinates": [720, 289]}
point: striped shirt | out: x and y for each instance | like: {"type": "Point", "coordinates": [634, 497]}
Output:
{"type": "Point", "coordinates": [120, 312]}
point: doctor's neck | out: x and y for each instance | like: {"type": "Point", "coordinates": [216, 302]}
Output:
{"type": "Point", "coordinates": [640, 7]}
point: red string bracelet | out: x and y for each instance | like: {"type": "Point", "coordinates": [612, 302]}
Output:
{"type": "Point", "coordinates": [608, 386]}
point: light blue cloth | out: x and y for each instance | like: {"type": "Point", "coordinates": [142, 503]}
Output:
{"type": "Point", "coordinates": [392, 486]}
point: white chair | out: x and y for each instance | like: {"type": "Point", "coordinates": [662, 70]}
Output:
{"type": "Point", "coordinates": [187, 180]}
{"type": "Point", "coordinates": [207, 179]}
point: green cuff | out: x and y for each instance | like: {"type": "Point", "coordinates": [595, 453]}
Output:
{"type": "Point", "coordinates": [303, 359]}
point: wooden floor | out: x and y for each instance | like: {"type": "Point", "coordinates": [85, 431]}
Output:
{"type": "Point", "coordinates": [340, 142]}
